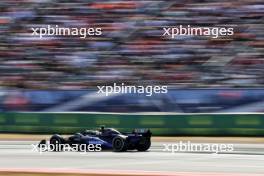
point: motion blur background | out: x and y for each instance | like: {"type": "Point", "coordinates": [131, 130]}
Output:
{"type": "Point", "coordinates": [61, 73]}
{"type": "Point", "coordinates": [56, 75]}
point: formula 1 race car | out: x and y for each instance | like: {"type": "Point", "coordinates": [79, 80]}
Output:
{"type": "Point", "coordinates": [107, 138]}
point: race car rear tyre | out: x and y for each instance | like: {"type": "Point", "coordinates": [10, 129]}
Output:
{"type": "Point", "coordinates": [56, 143]}
{"type": "Point", "coordinates": [144, 145]}
{"type": "Point", "coordinates": [119, 144]}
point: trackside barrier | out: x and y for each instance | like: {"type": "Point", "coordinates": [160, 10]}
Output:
{"type": "Point", "coordinates": [162, 124]}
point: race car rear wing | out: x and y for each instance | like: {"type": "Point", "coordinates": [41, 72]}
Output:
{"type": "Point", "coordinates": [143, 132]}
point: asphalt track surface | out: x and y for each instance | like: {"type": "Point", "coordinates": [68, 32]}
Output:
{"type": "Point", "coordinates": [246, 159]}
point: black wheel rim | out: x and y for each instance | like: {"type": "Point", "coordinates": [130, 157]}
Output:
{"type": "Point", "coordinates": [118, 144]}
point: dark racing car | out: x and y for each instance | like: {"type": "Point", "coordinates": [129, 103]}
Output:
{"type": "Point", "coordinates": [107, 138]}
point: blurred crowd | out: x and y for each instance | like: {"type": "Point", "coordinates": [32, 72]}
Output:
{"type": "Point", "coordinates": [131, 48]}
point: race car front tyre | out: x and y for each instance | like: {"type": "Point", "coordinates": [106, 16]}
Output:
{"type": "Point", "coordinates": [56, 143]}
{"type": "Point", "coordinates": [144, 145]}
{"type": "Point", "coordinates": [119, 144]}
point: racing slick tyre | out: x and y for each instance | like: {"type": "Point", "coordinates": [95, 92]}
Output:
{"type": "Point", "coordinates": [56, 142]}
{"type": "Point", "coordinates": [144, 145]}
{"type": "Point", "coordinates": [119, 144]}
